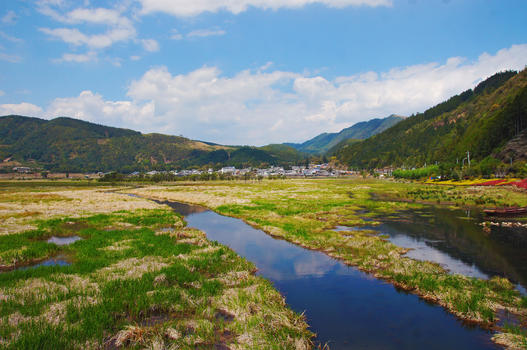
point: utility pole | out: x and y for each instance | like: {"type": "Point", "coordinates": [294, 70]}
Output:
{"type": "Point", "coordinates": [468, 157]}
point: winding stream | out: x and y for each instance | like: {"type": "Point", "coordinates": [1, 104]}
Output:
{"type": "Point", "coordinates": [345, 307]}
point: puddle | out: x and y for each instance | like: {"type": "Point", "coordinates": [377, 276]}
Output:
{"type": "Point", "coordinates": [349, 228]}
{"type": "Point", "coordinates": [59, 260]}
{"type": "Point", "coordinates": [64, 240]}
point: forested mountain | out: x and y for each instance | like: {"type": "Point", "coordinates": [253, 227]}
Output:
{"type": "Point", "coordinates": [66, 144]}
{"type": "Point", "coordinates": [481, 121]}
{"type": "Point", "coordinates": [326, 141]}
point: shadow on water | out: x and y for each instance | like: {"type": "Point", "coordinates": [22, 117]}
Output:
{"type": "Point", "coordinates": [347, 309]}
{"type": "Point", "coordinates": [456, 239]}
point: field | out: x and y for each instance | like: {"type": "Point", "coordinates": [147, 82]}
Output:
{"type": "Point", "coordinates": [305, 212]}
{"type": "Point", "coordinates": [137, 278]}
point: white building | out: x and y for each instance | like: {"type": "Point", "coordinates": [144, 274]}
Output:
{"type": "Point", "coordinates": [228, 170]}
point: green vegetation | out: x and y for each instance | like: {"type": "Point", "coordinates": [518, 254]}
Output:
{"type": "Point", "coordinates": [65, 144]}
{"type": "Point", "coordinates": [480, 121]}
{"type": "Point", "coordinates": [323, 143]}
{"type": "Point", "coordinates": [305, 212]}
{"type": "Point", "coordinates": [138, 279]}
{"type": "Point", "coordinates": [416, 174]}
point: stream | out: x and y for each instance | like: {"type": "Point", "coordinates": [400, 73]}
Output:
{"type": "Point", "coordinates": [346, 308]}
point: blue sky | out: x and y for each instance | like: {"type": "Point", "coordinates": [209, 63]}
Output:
{"type": "Point", "coordinates": [249, 71]}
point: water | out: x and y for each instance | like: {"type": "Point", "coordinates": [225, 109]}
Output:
{"type": "Point", "coordinates": [347, 309]}
{"type": "Point", "coordinates": [456, 240]}
{"type": "Point", "coordinates": [64, 240]}
{"type": "Point", "coordinates": [59, 260]}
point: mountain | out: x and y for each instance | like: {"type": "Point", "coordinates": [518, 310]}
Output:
{"type": "Point", "coordinates": [326, 141]}
{"type": "Point", "coordinates": [66, 144]}
{"type": "Point", "coordinates": [482, 121]}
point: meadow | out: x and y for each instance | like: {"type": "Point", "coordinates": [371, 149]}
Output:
{"type": "Point", "coordinates": [136, 278]}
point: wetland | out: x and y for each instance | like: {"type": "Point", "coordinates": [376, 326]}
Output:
{"type": "Point", "coordinates": [338, 263]}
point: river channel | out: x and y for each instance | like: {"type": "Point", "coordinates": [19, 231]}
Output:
{"type": "Point", "coordinates": [346, 308]}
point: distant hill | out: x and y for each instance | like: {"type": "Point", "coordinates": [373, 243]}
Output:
{"type": "Point", "coordinates": [326, 141]}
{"type": "Point", "coordinates": [487, 121]}
{"type": "Point", "coordinates": [66, 144]}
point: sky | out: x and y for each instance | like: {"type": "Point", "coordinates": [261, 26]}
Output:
{"type": "Point", "coordinates": [249, 72]}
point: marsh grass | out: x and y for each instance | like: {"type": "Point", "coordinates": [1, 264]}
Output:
{"type": "Point", "coordinates": [306, 211]}
{"type": "Point", "coordinates": [134, 283]}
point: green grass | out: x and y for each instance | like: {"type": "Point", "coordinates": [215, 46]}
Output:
{"type": "Point", "coordinates": [132, 283]}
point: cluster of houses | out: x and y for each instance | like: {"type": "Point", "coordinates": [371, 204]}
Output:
{"type": "Point", "coordinates": [312, 170]}
{"type": "Point", "coordinates": [323, 170]}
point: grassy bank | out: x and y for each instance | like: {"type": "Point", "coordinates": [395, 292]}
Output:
{"type": "Point", "coordinates": [305, 212]}
{"type": "Point", "coordinates": [138, 278]}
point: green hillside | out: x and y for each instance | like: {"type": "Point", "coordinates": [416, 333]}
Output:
{"type": "Point", "coordinates": [324, 142]}
{"type": "Point", "coordinates": [481, 121]}
{"type": "Point", "coordinates": [66, 144]}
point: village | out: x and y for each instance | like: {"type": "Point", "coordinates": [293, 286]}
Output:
{"type": "Point", "coordinates": [322, 170]}
{"type": "Point", "coordinates": [313, 170]}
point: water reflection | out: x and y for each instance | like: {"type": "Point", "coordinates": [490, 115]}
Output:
{"type": "Point", "coordinates": [455, 239]}
{"type": "Point", "coordinates": [345, 307]}
{"type": "Point", "coordinates": [63, 240]}
{"type": "Point", "coordinates": [59, 260]}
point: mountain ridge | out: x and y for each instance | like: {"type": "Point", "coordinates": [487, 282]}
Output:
{"type": "Point", "coordinates": [324, 142]}
{"type": "Point", "coordinates": [68, 144]}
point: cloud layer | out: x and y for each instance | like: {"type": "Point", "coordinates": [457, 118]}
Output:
{"type": "Point", "coordinates": [259, 106]}
{"type": "Point", "coordinates": [184, 8]}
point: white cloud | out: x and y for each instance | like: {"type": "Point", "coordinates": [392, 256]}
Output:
{"type": "Point", "coordinates": [116, 27]}
{"type": "Point", "coordinates": [266, 66]}
{"type": "Point", "coordinates": [93, 41]}
{"type": "Point", "coordinates": [97, 15]}
{"type": "Point", "coordinates": [185, 8]}
{"type": "Point", "coordinates": [258, 107]}
{"type": "Point", "coordinates": [202, 33]}
{"type": "Point", "coordinates": [176, 35]}
{"type": "Point", "coordinates": [10, 38]}
{"type": "Point", "coordinates": [9, 18]}
{"type": "Point", "coordinates": [10, 58]}
{"type": "Point", "coordinates": [135, 58]}
{"type": "Point", "coordinates": [150, 45]}
{"type": "Point", "coordinates": [24, 108]}
{"type": "Point", "coordinates": [92, 107]}
{"type": "Point", "coordinates": [78, 58]}
{"type": "Point", "coordinates": [197, 33]}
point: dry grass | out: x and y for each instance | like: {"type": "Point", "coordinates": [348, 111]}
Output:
{"type": "Point", "coordinates": [193, 194]}
{"type": "Point", "coordinates": [132, 268]}
{"type": "Point", "coordinates": [19, 215]}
